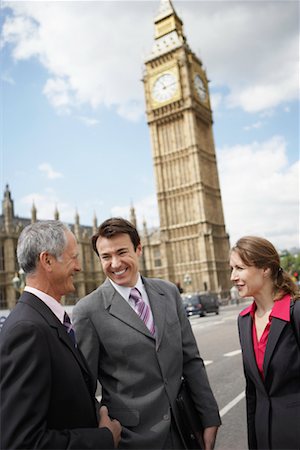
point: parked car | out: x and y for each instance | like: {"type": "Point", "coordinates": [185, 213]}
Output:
{"type": "Point", "coordinates": [200, 303]}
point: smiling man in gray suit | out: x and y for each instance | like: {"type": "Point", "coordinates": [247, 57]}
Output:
{"type": "Point", "coordinates": [139, 343]}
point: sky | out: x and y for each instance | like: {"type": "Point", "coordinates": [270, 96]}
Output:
{"type": "Point", "coordinates": [73, 128]}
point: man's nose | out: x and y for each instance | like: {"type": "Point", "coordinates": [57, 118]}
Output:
{"type": "Point", "coordinates": [115, 261]}
{"type": "Point", "coordinates": [77, 266]}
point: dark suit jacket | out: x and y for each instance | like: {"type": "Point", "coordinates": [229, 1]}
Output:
{"type": "Point", "coordinates": [273, 405]}
{"type": "Point", "coordinates": [46, 392]}
{"type": "Point", "coordinates": [141, 375]}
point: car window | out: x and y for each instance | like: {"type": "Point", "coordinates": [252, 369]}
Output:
{"type": "Point", "coordinates": [193, 300]}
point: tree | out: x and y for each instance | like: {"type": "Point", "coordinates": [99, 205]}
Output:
{"type": "Point", "coordinates": [291, 264]}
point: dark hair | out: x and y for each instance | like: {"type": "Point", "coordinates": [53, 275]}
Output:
{"type": "Point", "coordinates": [114, 226]}
{"type": "Point", "coordinates": [259, 252]}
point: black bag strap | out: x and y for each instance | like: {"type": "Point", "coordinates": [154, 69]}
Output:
{"type": "Point", "coordinates": [295, 319]}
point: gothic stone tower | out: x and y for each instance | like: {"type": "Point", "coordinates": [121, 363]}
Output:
{"type": "Point", "coordinates": [194, 242]}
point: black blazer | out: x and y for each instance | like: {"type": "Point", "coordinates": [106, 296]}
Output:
{"type": "Point", "coordinates": [46, 393]}
{"type": "Point", "coordinates": [273, 405]}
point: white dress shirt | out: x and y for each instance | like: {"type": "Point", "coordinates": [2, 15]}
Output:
{"type": "Point", "coordinates": [124, 291]}
{"type": "Point", "coordinates": [53, 304]}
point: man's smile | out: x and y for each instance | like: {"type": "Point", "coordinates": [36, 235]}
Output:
{"type": "Point", "coordinates": [121, 272]}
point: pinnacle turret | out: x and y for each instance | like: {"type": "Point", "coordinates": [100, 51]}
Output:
{"type": "Point", "coordinates": [168, 30]}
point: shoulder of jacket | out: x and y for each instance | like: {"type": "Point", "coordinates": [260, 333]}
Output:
{"type": "Point", "coordinates": [159, 282]}
{"type": "Point", "coordinates": [89, 299]}
{"type": "Point", "coordinates": [295, 307]}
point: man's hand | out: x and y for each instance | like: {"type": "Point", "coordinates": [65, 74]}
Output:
{"type": "Point", "coordinates": [113, 425]}
{"type": "Point", "coordinates": [209, 437]}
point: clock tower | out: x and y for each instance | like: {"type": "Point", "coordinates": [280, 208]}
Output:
{"type": "Point", "coordinates": [194, 245]}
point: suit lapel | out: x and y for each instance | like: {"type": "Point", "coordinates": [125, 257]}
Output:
{"type": "Point", "coordinates": [277, 326]}
{"type": "Point", "coordinates": [53, 322]}
{"type": "Point", "coordinates": [158, 307]}
{"type": "Point", "coordinates": [247, 346]}
{"type": "Point", "coordinates": [118, 307]}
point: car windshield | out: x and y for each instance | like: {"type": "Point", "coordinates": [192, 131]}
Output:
{"type": "Point", "coordinates": [193, 300]}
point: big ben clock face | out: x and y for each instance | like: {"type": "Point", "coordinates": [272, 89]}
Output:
{"type": "Point", "coordinates": [200, 88]}
{"type": "Point", "coordinates": [164, 87]}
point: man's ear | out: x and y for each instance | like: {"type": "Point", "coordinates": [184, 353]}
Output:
{"type": "Point", "coordinates": [46, 261]}
{"type": "Point", "coordinates": [139, 250]}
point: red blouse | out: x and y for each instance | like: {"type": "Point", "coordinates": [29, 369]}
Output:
{"type": "Point", "coordinates": [280, 310]}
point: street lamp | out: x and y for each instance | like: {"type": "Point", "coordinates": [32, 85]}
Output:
{"type": "Point", "coordinates": [187, 279]}
{"type": "Point", "coordinates": [18, 281]}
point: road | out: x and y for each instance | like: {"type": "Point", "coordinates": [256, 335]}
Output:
{"type": "Point", "coordinates": [218, 343]}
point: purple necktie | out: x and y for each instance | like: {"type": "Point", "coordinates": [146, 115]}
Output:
{"type": "Point", "coordinates": [142, 309]}
{"type": "Point", "coordinates": [69, 328]}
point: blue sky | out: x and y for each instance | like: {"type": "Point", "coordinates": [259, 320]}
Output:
{"type": "Point", "coordinates": [73, 126]}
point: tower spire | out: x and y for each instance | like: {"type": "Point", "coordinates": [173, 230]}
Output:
{"type": "Point", "coordinates": [33, 213]}
{"type": "Point", "coordinates": [77, 230]}
{"type": "Point", "coordinates": [132, 216]}
{"type": "Point", "coordinates": [56, 213]}
{"type": "Point", "coordinates": [168, 30]}
{"type": "Point", "coordinates": [95, 223]}
{"type": "Point", "coordinates": [7, 208]}
{"type": "Point", "coordinates": [165, 8]}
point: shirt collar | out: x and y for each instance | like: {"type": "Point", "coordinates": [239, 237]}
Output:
{"type": "Point", "coordinates": [53, 304]}
{"type": "Point", "coordinates": [124, 291]}
{"type": "Point", "coordinates": [280, 310]}
{"type": "Point", "coordinates": [249, 310]}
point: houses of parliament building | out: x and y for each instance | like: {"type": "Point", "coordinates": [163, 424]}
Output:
{"type": "Point", "coordinates": [191, 246]}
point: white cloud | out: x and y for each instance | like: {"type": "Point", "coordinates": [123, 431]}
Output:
{"type": "Point", "coordinates": [89, 121]}
{"type": "Point", "coordinates": [260, 191]}
{"type": "Point", "coordinates": [260, 97]}
{"type": "Point", "coordinates": [59, 94]}
{"type": "Point", "coordinates": [216, 100]}
{"type": "Point", "coordinates": [255, 125]}
{"type": "Point", "coordinates": [93, 51]}
{"type": "Point", "coordinates": [251, 47]}
{"type": "Point", "coordinates": [23, 33]}
{"type": "Point", "coordinates": [131, 110]}
{"type": "Point", "coordinates": [47, 169]}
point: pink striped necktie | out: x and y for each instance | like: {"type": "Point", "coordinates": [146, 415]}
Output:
{"type": "Point", "coordinates": [142, 310]}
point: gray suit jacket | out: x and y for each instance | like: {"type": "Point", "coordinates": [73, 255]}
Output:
{"type": "Point", "coordinates": [141, 375]}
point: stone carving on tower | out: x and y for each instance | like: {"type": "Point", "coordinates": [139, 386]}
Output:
{"type": "Point", "coordinates": [194, 245]}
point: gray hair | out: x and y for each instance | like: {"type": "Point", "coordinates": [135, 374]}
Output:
{"type": "Point", "coordinates": [47, 236]}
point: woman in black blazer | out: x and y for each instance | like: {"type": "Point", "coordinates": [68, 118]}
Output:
{"type": "Point", "coordinates": [269, 331]}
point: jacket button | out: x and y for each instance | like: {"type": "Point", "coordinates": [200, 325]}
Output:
{"type": "Point", "coordinates": [166, 417]}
